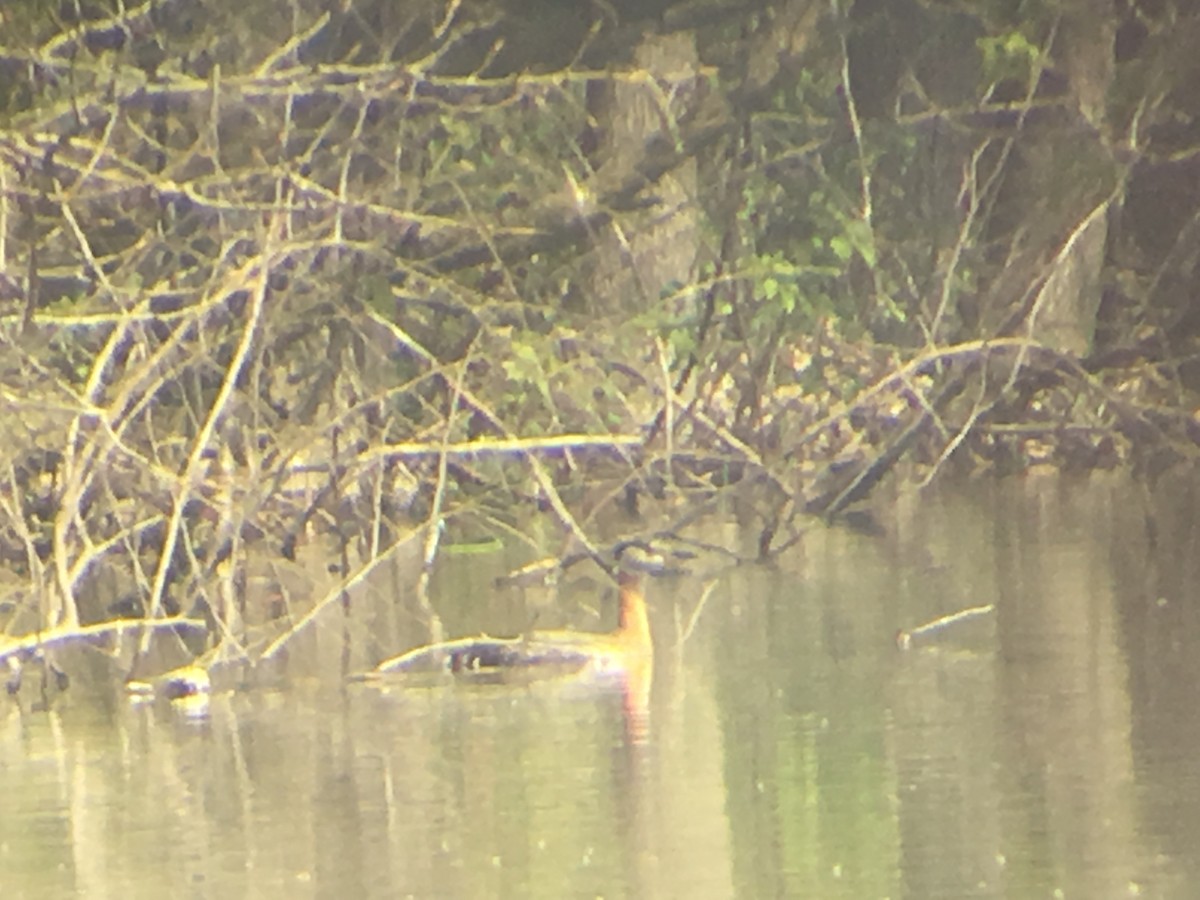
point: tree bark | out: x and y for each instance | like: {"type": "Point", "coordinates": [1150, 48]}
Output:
{"type": "Point", "coordinates": [635, 265]}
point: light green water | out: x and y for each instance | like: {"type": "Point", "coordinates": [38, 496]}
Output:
{"type": "Point", "coordinates": [791, 749]}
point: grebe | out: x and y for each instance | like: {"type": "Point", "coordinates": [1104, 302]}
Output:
{"type": "Point", "coordinates": [555, 652]}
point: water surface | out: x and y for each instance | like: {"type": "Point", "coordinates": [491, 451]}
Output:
{"type": "Point", "coordinates": [791, 750]}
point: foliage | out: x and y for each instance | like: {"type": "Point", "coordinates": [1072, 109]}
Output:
{"type": "Point", "coordinates": [373, 271]}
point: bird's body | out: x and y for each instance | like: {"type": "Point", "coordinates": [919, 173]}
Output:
{"type": "Point", "coordinates": [541, 652]}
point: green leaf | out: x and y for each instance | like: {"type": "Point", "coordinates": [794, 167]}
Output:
{"type": "Point", "coordinates": [862, 238]}
{"type": "Point", "coordinates": [840, 245]}
{"type": "Point", "coordinates": [377, 294]}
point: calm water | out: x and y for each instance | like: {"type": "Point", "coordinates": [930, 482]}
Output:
{"type": "Point", "coordinates": [1045, 750]}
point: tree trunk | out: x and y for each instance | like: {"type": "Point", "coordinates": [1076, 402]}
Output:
{"type": "Point", "coordinates": [1070, 299]}
{"type": "Point", "coordinates": [635, 266]}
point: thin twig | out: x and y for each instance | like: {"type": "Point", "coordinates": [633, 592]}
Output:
{"type": "Point", "coordinates": [694, 619]}
{"type": "Point", "coordinates": [904, 639]}
{"type": "Point", "coordinates": [334, 596]}
{"type": "Point", "coordinates": [63, 635]}
{"type": "Point", "coordinates": [220, 405]}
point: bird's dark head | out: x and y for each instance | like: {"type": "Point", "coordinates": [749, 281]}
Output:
{"type": "Point", "coordinates": [637, 556]}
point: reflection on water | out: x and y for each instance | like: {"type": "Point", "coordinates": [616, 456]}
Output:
{"type": "Point", "coordinates": [791, 749]}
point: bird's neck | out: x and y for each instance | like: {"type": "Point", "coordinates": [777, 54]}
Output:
{"type": "Point", "coordinates": [633, 624]}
